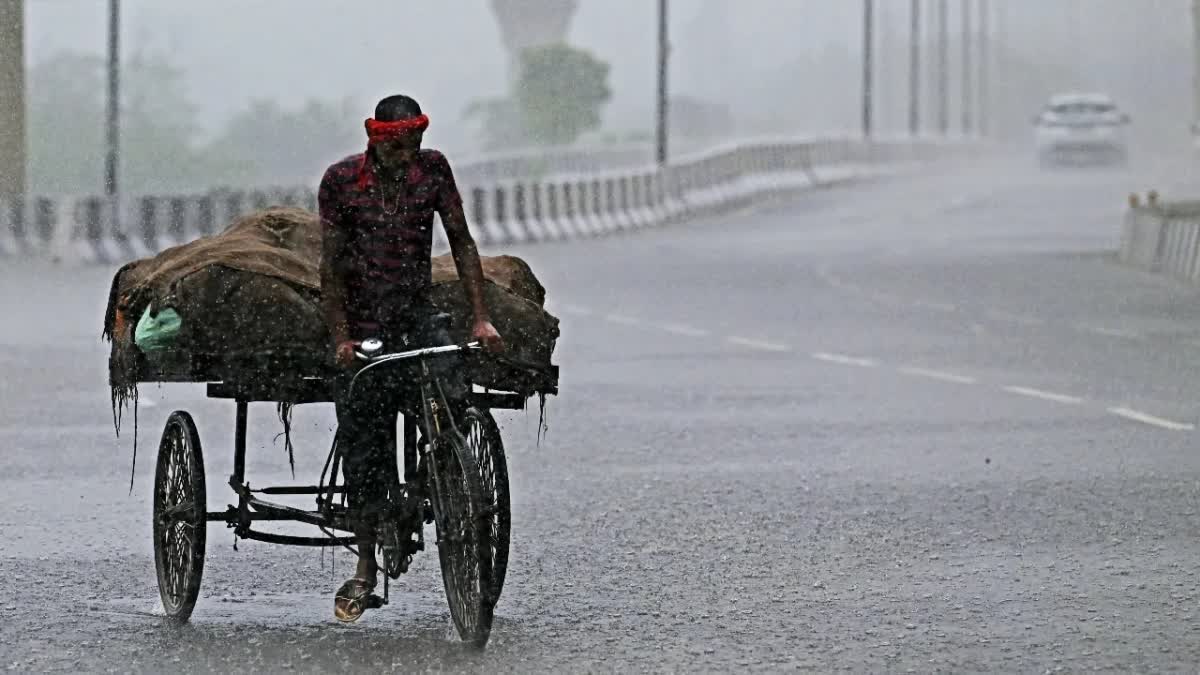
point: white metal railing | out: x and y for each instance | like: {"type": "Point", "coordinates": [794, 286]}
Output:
{"type": "Point", "coordinates": [1162, 237]}
{"type": "Point", "coordinates": [570, 201]}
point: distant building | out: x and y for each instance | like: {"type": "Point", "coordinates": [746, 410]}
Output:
{"type": "Point", "coordinates": [531, 23]}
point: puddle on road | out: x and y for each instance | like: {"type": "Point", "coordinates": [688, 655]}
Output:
{"type": "Point", "coordinates": [409, 612]}
{"type": "Point", "coordinates": [299, 629]}
{"type": "Point", "coordinates": [280, 610]}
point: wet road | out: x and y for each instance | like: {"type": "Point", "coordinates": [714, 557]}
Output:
{"type": "Point", "coordinates": [922, 424]}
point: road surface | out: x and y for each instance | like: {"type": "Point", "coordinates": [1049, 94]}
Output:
{"type": "Point", "coordinates": [924, 423]}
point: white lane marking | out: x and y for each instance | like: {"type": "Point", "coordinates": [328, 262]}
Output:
{"type": "Point", "coordinates": [1142, 417]}
{"type": "Point", "coordinates": [1110, 332]}
{"type": "Point", "coordinates": [934, 305]}
{"type": "Point", "coordinates": [1001, 315]}
{"type": "Point", "coordinates": [886, 298]}
{"type": "Point", "coordinates": [623, 320]}
{"type": "Point", "coordinates": [938, 375]}
{"type": "Point", "coordinates": [883, 298]}
{"type": "Point", "coordinates": [842, 359]}
{"type": "Point", "coordinates": [1044, 395]}
{"type": "Point", "coordinates": [757, 344]}
{"type": "Point", "coordinates": [676, 328]}
{"type": "Point", "coordinates": [835, 282]}
{"type": "Point", "coordinates": [681, 329]}
{"type": "Point", "coordinates": [576, 310]}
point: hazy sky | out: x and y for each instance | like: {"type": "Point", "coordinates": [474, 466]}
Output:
{"type": "Point", "coordinates": [447, 53]}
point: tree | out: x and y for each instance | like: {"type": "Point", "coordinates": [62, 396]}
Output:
{"type": "Point", "coordinates": [66, 127]}
{"type": "Point", "coordinates": [161, 150]}
{"type": "Point", "coordinates": [268, 143]}
{"type": "Point", "coordinates": [561, 92]}
{"type": "Point", "coordinates": [501, 123]}
{"type": "Point", "coordinates": [160, 130]}
{"type": "Point", "coordinates": [158, 127]}
{"type": "Point", "coordinates": [558, 97]}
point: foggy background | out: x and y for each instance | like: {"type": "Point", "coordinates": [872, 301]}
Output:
{"type": "Point", "coordinates": [227, 89]}
{"type": "Point", "coordinates": [878, 416]}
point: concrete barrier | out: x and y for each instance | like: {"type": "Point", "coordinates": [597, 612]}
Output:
{"type": "Point", "coordinates": [1162, 237]}
{"type": "Point", "coordinates": [557, 206]}
{"type": "Point", "coordinates": [539, 212]}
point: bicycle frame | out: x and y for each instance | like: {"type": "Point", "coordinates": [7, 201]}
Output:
{"type": "Point", "coordinates": [252, 509]}
{"type": "Point", "coordinates": [454, 477]}
{"type": "Point", "coordinates": [434, 409]}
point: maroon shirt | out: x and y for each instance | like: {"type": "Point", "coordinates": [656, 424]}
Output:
{"type": "Point", "coordinates": [388, 246]}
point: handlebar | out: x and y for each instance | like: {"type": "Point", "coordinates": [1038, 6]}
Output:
{"type": "Point", "coordinates": [374, 361]}
{"type": "Point", "coordinates": [417, 353]}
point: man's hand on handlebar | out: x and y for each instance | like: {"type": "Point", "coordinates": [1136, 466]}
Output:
{"type": "Point", "coordinates": [345, 356]}
{"type": "Point", "coordinates": [486, 335]}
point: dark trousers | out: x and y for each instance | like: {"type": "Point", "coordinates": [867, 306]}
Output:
{"type": "Point", "coordinates": [367, 419]}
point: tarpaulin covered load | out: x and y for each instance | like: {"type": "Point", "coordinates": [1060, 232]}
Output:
{"type": "Point", "coordinates": [248, 307]}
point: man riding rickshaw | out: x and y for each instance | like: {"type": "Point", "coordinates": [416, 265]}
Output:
{"type": "Point", "coordinates": [377, 211]}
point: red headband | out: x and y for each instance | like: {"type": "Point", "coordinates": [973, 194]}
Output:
{"type": "Point", "coordinates": [382, 132]}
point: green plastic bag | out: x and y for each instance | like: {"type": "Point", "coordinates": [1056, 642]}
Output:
{"type": "Point", "coordinates": [156, 332]}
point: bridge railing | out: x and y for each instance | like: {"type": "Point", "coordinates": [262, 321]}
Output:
{"type": "Point", "coordinates": [502, 209]}
{"type": "Point", "coordinates": [1162, 237]}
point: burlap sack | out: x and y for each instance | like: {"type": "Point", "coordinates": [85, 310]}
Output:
{"type": "Point", "coordinates": [253, 291]}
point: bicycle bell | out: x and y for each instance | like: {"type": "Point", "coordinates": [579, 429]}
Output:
{"type": "Point", "coordinates": [372, 346]}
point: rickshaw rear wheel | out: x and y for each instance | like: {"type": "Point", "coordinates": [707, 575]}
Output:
{"type": "Point", "coordinates": [180, 523]}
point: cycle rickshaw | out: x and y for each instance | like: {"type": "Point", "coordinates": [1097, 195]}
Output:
{"type": "Point", "coordinates": [454, 478]}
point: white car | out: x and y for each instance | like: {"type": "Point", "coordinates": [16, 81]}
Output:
{"type": "Point", "coordinates": [1081, 128]}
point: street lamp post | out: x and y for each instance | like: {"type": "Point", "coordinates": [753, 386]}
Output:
{"type": "Point", "coordinates": [943, 69]}
{"type": "Point", "coordinates": [1195, 127]}
{"type": "Point", "coordinates": [968, 104]}
{"type": "Point", "coordinates": [868, 74]}
{"type": "Point", "coordinates": [12, 98]}
{"type": "Point", "coordinates": [112, 161]}
{"type": "Point", "coordinates": [985, 64]}
{"type": "Point", "coordinates": [914, 68]}
{"type": "Point", "coordinates": [664, 47]}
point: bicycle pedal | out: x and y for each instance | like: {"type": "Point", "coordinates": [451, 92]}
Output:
{"type": "Point", "coordinates": [402, 563]}
{"type": "Point", "coordinates": [375, 601]}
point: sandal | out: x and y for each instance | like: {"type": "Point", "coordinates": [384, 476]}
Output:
{"type": "Point", "coordinates": [352, 599]}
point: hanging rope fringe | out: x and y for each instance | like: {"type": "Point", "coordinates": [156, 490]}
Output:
{"type": "Point", "coordinates": [284, 411]}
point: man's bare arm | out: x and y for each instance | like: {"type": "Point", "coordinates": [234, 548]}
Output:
{"type": "Point", "coordinates": [466, 259]}
{"type": "Point", "coordinates": [333, 285]}
{"type": "Point", "coordinates": [333, 252]}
